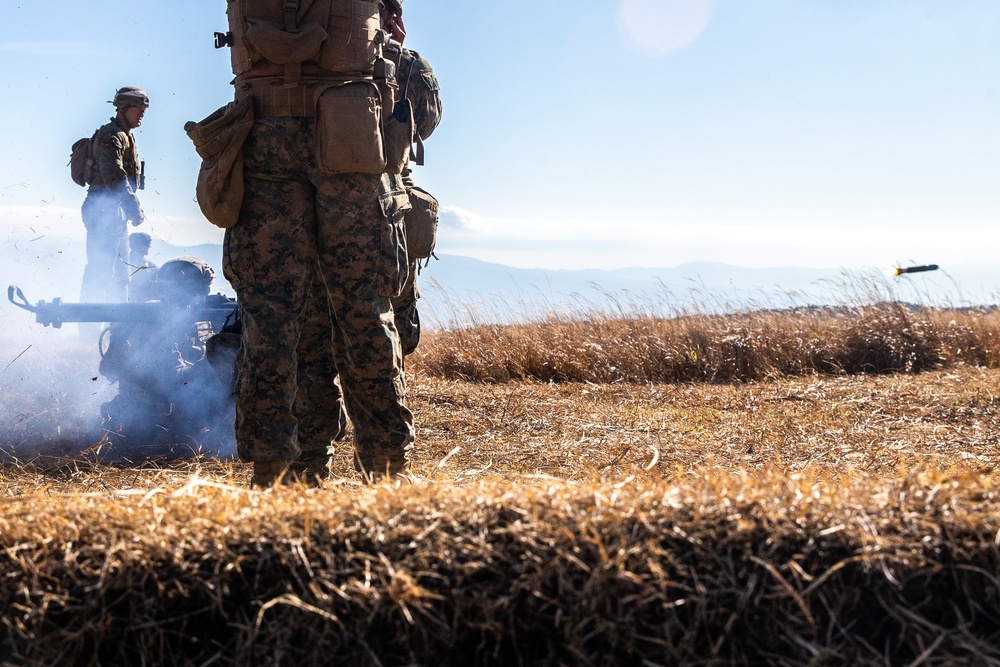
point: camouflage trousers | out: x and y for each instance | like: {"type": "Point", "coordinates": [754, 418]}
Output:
{"type": "Point", "coordinates": [322, 404]}
{"type": "Point", "coordinates": [296, 226]}
{"type": "Point", "coordinates": [404, 308]}
{"type": "Point", "coordinates": [105, 278]}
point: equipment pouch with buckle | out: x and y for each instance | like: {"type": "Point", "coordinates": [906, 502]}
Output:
{"type": "Point", "coordinates": [219, 141]}
{"type": "Point", "coordinates": [421, 223]}
{"type": "Point", "coordinates": [349, 129]}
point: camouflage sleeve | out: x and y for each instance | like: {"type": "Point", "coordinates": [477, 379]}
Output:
{"type": "Point", "coordinates": [110, 172]}
{"type": "Point", "coordinates": [416, 75]}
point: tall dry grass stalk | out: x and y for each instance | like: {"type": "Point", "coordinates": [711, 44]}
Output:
{"type": "Point", "coordinates": [869, 331]}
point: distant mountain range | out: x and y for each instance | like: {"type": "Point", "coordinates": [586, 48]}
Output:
{"type": "Point", "coordinates": [458, 290]}
{"type": "Point", "coordinates": [461, 290]}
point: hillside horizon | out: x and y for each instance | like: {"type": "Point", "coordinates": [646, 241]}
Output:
{"type": "Point", "coordinates": [456, 289]}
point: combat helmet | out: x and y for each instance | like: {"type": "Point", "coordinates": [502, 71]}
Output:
{"type": "Point", "coordinates": [139, 240]}
{"type": "Point", "coordinates": [130, 96]}
{"type": "Point", "coordinates": [184, 279]}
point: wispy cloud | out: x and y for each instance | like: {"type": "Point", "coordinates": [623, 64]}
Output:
{"type": "Point", "coordinates": [453, 217]}
{"type": "Point", "coordinates": [47, 48]}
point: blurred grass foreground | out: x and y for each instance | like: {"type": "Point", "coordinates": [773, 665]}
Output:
{"type": "Point", "coordinates": [761, 486]}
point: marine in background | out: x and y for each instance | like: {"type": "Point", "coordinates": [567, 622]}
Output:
{"type": "Point", "coordinates": [319, 401]}
{"type": "Point", "coordinates": [142, 281]}
{"type": "Point", "coordinates": [114, 175]}
{"type": "Point", "coordinates": [168, 391]}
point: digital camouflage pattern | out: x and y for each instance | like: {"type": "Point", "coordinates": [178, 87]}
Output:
{"type": "Point", "coordinates": [319, 401]}
{"type": "Point", "coordinates": [116, 166]}
{"type": "Point", "coordinates": [415, 76]}
{"type": "Point", "coordinates": [319, 342]}
{"type": "Point", "coordinates": [297, 223]}
{"type": "Point", "coordinates": [111, 202]}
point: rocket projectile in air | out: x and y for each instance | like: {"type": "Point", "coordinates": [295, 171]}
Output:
{"type": "Point", "coordinates": [914, 269]}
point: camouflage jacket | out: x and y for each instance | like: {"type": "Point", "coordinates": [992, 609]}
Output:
{"type": "Point", "coordinates": [116, 165]}
{"type": "Point", "coordinates": [416, 80]}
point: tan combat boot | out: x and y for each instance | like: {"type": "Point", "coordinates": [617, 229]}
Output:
{"type": "Point", "coordinates": [268, 473]}
{"type": "Point", "coordinates": [308, 473]}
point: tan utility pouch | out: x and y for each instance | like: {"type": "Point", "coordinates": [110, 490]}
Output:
{"type": "Point", "coordinates": [219, 141]}
{"type": "Point", "coordinates": [398, 136]}
{"type": "Point", "coordinates": [285, 48]}
{"type": "Point", "coordinates": [421, 223]}
{"type": "Point", "coordinates": [349, 129]}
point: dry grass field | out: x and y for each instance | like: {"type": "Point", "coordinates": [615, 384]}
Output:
{"type": "Point", "coordinates": [811, 487]}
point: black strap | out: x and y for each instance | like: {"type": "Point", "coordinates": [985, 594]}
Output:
{"type": "Point", "coordinates": [409, 72]}
{"type": "Point", "coordinates": [291, 8]}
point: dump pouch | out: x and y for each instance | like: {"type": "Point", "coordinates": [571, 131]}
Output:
{"type": "Point", "coordinates": [349, 129]}
{"type": "Point", "coordinates": [421, 223]}
{"type": "Point", "coordinates": [219, 141]}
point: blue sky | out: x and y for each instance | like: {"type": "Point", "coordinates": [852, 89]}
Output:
{"type": "Point", "coordinates": [613, 133]}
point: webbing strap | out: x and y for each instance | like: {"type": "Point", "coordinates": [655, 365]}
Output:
{"type": "Point", "coordinates": [418, 155]}
{"type": "Point", "coordinates": [293, 71]}
{"type": "Point", "coordinates": [291, 8]}
{"type": "Point", "coordinates": [409, 73]}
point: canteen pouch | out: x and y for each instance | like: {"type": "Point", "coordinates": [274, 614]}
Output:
{"type": "Point", "coordinates": [421, 223]}
{"type": "Point", "coordinates": [349, 129]}
{"type": "Point", "coordinates": [219, 141]}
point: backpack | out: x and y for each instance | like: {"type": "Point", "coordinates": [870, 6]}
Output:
{"type": "Point", "coordinates": [81, 161]}
{"type": "Point", "coordinates": [271, 38]}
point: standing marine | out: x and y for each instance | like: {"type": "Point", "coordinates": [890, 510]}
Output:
{"type": "Point", "coordinates": [320, 401]}
{"type": "Point", "coordinates": [115, 176]}
{"type": "Point", "coordinates": [322, 196]}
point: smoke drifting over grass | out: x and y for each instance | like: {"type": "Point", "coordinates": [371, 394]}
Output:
{"type": "Point", "coordinates": [50, 392]}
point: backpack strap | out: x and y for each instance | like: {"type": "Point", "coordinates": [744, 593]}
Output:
{"type": "Point", "coordinates": [293, 71]}
{"type": "Point", "coordinates": [291, 8]}
{"type": "Point", "coordinates": [418, 155]}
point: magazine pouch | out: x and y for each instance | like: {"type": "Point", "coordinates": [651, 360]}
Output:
{"type": "Point", "coordinates": [348, 129]}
